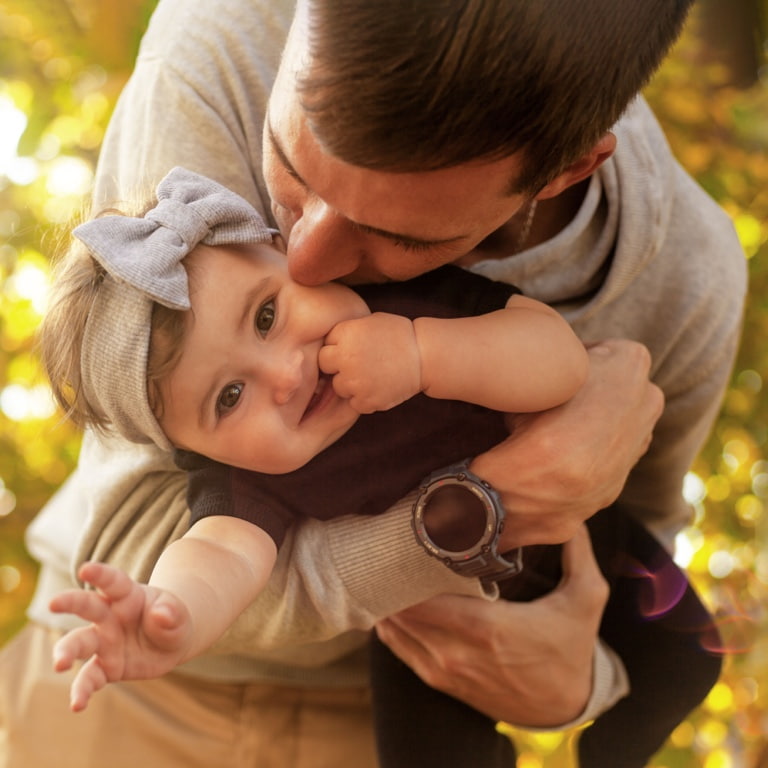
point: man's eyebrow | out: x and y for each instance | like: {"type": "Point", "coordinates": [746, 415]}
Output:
{"type": "Point", "coordinates": [396, 237]}
{"type": "Point", "coordinates": [281, 156]}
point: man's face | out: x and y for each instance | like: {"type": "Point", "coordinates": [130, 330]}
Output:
{"type": "Point", "coordinates": [341, 220]}
{"type": "Point", "coordinates": [248, 389]}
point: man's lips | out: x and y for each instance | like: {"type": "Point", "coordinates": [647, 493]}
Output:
{"type": "Point", "coordinates": [323, 392]}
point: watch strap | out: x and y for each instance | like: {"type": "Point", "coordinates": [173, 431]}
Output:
{"type": "Point", "coordinates": [490, 566]}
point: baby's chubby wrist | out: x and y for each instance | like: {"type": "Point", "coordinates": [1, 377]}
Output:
{"type": "Point", "coordinates": [401, 355]}
{"type": "Point", "coordinates": [429, 341]}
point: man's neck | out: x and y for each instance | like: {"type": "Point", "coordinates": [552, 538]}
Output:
{"type": "Point", "coordinates": [551, 217]}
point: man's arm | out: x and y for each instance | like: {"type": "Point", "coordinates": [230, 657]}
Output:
{"type": "Point", "coordinates": [573, 460]}
{"type": "Point", "coordinates": [525, 640]}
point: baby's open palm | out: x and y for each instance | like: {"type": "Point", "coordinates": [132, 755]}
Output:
{"type": "Point", "coordinates": [136, 631]}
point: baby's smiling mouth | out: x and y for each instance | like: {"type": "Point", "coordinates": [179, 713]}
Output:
{"type": "Point", "coordinates": [318, 396]}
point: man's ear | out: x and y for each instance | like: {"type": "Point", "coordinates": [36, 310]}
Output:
{"type": "Point", "coordinates": [583, 167]}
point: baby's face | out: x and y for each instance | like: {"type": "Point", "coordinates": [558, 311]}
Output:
{"type": "Point", "coordinates": [248, 390]}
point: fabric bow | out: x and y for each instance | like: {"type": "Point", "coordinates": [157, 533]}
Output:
{"type": "Point", "coordinates": [147, 252]}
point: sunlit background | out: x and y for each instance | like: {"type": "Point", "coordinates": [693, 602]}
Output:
{"type": "Point", "coordinates": [62, 64]}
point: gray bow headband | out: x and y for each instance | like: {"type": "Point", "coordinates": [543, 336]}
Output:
{"type": "Point", "coordinates": [142, 257]}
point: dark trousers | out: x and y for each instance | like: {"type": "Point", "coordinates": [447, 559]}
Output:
{"type": "Point", "coordinates": [653, 620]}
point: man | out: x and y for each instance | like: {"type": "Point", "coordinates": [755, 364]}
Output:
{"type": "Point", "coordinates": [601, 224]}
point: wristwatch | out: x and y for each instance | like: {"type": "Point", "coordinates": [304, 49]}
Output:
{"type": "Point", "coordinates": [458, 518]}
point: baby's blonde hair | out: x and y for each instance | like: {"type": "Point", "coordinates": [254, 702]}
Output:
{"type": "Point", "coordinates": [76, 281]}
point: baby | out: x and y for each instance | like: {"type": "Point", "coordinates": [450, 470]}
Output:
{"type": "Point", "coordinates": [182, 327]}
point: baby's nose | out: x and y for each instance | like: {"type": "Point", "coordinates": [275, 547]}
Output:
{"type": "Point", "coordinates": [285, 376]}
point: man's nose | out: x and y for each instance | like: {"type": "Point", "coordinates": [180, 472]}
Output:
{"type": "Point", "coordinates": [322, 246]}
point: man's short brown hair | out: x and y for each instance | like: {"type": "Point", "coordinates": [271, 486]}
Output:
{"type": "Point", "coordinates": [415, 85]}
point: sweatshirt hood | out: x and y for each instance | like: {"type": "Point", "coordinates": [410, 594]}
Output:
{"type": "Point", "coordinates": [594, 259]}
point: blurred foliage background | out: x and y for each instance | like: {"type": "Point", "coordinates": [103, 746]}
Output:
{"type": "Point", "coordinates": [62, 64]}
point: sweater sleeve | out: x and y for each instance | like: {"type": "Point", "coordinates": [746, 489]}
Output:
{"type": "Point", "coordinates": [609, 685]}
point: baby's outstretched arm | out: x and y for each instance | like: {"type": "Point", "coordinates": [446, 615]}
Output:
{"type": "Point", "coordinates": [200, 585]}
{"type": "Point", "coordinates": [136, 631]}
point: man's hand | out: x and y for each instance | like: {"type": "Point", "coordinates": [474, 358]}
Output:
{"type": "Point", "coordinates": [374, 361]}
{"type": "Point", "coordinates": [561, 466]}
{"type": "Point", "coordinates": [137, 631]}
{"type": "Point", "coordinates": [529, 664]}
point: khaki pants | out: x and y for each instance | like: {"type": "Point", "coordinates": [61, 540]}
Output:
{"type": "Point", "coordinates": [174, 721]}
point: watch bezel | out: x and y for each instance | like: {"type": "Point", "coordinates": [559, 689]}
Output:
{"type": "Point", "coordinates": [493, 516]}
{"type": "Point", "coordinates": [482, 560]}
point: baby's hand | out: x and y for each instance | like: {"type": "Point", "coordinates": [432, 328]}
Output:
{"type": "Point", "coordinates": [136, 631]}
{"type": "Point", "coordinates": [374, 361]}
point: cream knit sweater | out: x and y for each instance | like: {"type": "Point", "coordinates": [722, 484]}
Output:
{"type": "Point", "coordinates": [649, 257]}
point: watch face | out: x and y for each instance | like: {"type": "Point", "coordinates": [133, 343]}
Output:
{"type": "Point", "coordinates": [454, 518]}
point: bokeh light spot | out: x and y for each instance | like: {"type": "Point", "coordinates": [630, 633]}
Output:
{"type": "Point", "coordinates": [69, 176]}
{"type": "Point", "coordinates": [760, 484]}
{"type": "Point", "coordinates": [718, 487]}
{"type": "Point", "coordinates": [750, 509]}
{"type": "Point", "coordinates": [30, 282]}
{"type": "Point", "coordinates": [687, 543]}
{"type": "Point", "coordinates": [7, 501]}
{"type": "Point", "coordinates": [20, 403]}
{"type": "Point", "coordinates": [750, 232]}
{"type": "Point", "coordinates": [10, 578]}
{"type": "Point", "coordinates": [761, 567]}
{"type": "Point", "coordinates": [720, 698]}
{"type": "Point", "coordinates": [12, 125]}
{"type": "Point", "coordinates": [22, 171]}
{"type": "Point", "coordinates": [750, 380]}
{"type": "Point", "coordinates": [527, 760]}
{"type": "Point", "coordinates": [711, 734]}
{"type": "Point", "coordinates": [721, 564]}
{"type": "Point", "coordinates": [736, 453]}
{"type": "Point", "coordinates": [694, 490]}
{"type": "Point", "coordinates": [682, 737]}
{"type": "Point", "coordinates": [719, 758]}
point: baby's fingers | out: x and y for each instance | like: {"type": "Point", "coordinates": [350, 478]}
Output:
{"type": "Point", "coordinates": [328, 358]}
{"type": "Point", "coordinates": [80, 643]}
{"type": "Point", "coordinates": [89, 679]}
{"type": "Point", "coordinates": [110, 581]}
{"type": "Point", "coordinates": [87, 605]}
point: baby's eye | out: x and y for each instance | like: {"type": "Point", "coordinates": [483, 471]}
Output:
{"type": "Point", "coordinates": [265, 317]}
{"type": "Point", "coordinates": [228, 398]}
